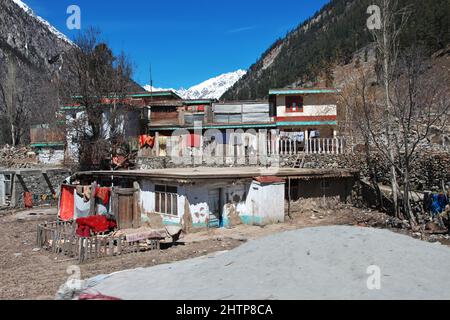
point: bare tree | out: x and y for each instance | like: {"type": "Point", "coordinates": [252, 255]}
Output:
{"type": "Point", "coordinates": [101, 86]}
{"type": "Point", "coordinates": [386, 38]}
{"type": "Point", "coordinates": [26, 98]}
{"type": "Point", "coordinates": [420, 101]}
{"type": "Point", "coordinates": [395, 114]}
{"type": "Point", "coordinates": [359, 98]}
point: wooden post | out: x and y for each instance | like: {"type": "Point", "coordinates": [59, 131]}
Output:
{"type": "Point", "coordinates": [136, 223]}
{"type": "Point", "coordinates": [157, 143]}
{"type": "Point", "coordinates": [86, 249]}
{"type": "Point", "coordinates": [92, 208]}
{"type": "Point", "coordinates": [119, 245]}
{"type": "Point", "coordinates": [289, 197]}
{"type": "Point", "coordinates": [111, 247]}
{"type": "Point", "coordinates": [80, 250]}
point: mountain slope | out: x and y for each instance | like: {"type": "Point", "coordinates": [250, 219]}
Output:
{"type": "Point", "coordinates": [45, 23]}
{"type": "Point", "coordinates": [309, 53]}
{"type": "Point", "coordinates": [29, 38]}
{"type": "Point", "coordinates": [213, 88]}
{"type": "Point", "coordinates": [36, 62]}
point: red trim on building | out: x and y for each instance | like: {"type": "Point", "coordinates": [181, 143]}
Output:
{"type": "Point", "coordinates": [269, 179]}
{"type": "Point", "coordinates": [307, 118]}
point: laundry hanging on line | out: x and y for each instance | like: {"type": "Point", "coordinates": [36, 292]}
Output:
{"type": "Point", "coordinates": [102, 193]}
{"type": "Point", "coordinates": [146, 140]}
{"type": "Point", "coordinates": [67, 203]}
{"type": "Point", "coordinates": [81, 207]}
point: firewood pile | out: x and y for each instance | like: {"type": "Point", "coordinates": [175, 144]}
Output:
{"type": "Point", "coordinates": [17, 157]}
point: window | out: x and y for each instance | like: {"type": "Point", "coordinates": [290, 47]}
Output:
{"type": "Point", "coordinates": [190, 119]}
{"type": "Point", "coordinates": [166, 200]}
{"type": "Point", "coordinates": [228, 118]}
{"type": "Point", "coordinates": [294, 104]}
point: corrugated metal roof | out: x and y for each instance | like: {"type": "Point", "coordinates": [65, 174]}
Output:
{"type": "Point", "coordinates": [217, 126]}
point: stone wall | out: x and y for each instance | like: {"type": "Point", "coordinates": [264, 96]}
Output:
{"type": "Point", "coordinates": [428, 171]}
{"type": "Point", "coordinates": [43, 185]}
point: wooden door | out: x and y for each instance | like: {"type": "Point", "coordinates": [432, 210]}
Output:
{"type": "Point", "coordinates": [126, 208]}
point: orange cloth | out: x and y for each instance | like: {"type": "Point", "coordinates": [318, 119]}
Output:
{"type": "Point", "coordinates": [102, 194]}
{"type": "Point", "coordinates": [145, 140]}
{"type": "Point", "coordinates": [142, 139]}
{"type": "Point", "coordinates": [67, 203]}
{"type": "Point", "coordinates": [28, 200]}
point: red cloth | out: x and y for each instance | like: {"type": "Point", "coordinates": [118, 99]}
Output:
{"type": "Point", "coordinates": [145, 140]}
{"type": "Point", "coordinates": [28, 200]}
{"type": "Point", "coordinates": [193, 141]}
{"type": "Point", "coordinates": [98, 296]}
{"type": "Point", "coordinates": [103, 194]}
{"type": "Point", "coordinates": [96, 224]}
{"type": "Point", "coordinates": [142, 140]}
{"type": "Point", "coordinates": [66, 203]}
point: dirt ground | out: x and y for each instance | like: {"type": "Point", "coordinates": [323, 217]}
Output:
{"type": "Point", "coordinates": [29, 273]}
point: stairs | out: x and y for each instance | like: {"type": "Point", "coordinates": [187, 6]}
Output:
{"type": "Point", "coordinates": [299, 161]}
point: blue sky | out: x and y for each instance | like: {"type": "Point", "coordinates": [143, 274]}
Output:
{"type": "Point", "coordinates": [187, 42]}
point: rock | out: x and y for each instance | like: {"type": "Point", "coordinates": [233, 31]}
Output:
{"type": "Point", "coordinates": [36, 249]}
{"type": "Point", "coordinates": [19, 254]}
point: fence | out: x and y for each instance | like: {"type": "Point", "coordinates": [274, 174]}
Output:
{"type": "Point", "coordinates": [60, 238]}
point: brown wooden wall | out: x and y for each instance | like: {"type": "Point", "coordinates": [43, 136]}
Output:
{"type": "Point", "coordinates": [40, 135]}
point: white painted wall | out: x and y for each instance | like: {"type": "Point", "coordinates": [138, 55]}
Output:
{"type": "Point", "coordinates": [128, 125]}
{"type": "Point", "coordinates": [198, 203]}
{"type": "Point", "coordinates": [51, 156]}
{"type": "Point", "coordinates": [2, 190]}
{"type": "Point", "coordinates": [254, 203]}
{"type": "Point", "coordinates": [72, 147]}
{"type": "Point", "coordinates": [147, 200]}
{"type": "Point", "coordinates": [234, 201]}
{"type": "Point", "coordinates": [265, 202]}
{"type": "Point", "coordinates": [308, 110]}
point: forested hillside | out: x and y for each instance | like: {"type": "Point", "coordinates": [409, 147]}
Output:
{"type": "Point", "coordinates": [330, 38]}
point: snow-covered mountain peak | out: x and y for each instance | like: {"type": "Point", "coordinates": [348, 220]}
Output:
{"type": "Point", "coordinates": [213, 88]}
{"type": "Point", "coordinates": [44, 22]}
